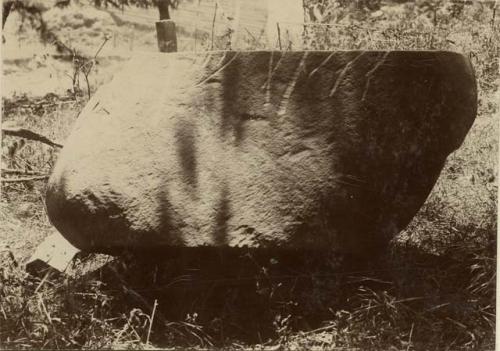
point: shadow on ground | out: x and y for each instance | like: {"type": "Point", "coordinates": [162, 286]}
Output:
{"type": "Point", "coordinates": [213, 297]}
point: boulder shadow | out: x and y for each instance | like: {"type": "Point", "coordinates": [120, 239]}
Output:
{"type": "Point", "coordinates": [212, 296]}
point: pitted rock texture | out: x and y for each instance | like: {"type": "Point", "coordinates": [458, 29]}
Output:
{"type": "Point", "coordinates": [321, 150]}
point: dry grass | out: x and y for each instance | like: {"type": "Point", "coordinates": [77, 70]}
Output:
{"type": "Point", "coordinates": [435, 290]}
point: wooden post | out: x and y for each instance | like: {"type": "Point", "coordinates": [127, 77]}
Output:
{"type": "Point", "coordinates": [165, 29]}
{"type": "Point", "coordinates": [167, 39]}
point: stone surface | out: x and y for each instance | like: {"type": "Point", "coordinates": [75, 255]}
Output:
{"type": "Point", "coordinates": [321, 150]}
{"type": "Point", "coordinates": [54, 252]}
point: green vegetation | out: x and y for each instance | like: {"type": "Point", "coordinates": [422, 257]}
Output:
{"type": "Point", "coordinates": [434, 290]}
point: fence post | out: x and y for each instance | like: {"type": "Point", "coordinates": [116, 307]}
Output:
{"type": "Point", "coordinates": [165, 29]}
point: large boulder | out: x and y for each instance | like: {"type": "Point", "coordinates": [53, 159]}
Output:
{"type": "Point", "coordinates": [313, 150]}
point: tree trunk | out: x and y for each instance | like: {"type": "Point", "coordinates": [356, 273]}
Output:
{"type": "Point", "coordinates": [163, 9]}
{"type": "Point", "coordinates": [7, 6]}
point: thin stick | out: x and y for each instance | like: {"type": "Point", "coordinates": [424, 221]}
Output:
{"type": "Point", "coordinates": [3, 312]}
{"type": "Point", "coordinates": [494, 13]}
{"type": "Point", "coordinates": [137, 296]}
{"type": "Point", "coordinates": [279, 34]}
{"type": "Point", "coordinates": [43, 308]}
{"type": "Point", "coordinates": [151, 321]}
{"type": "Point", "coordinates": [319, 330]}
{"type": "Point", "coordinates": [409, 338]}
{"type": "Point", "coordinates": [106, 38]}
{"type": "Point", "coordinates": [42, 281]}
{"type": "Point", "coordinates": [28, 134]}
{"type": "Point", "coordinates": [213, 26]}
{"type": "Point", "coordinates": [20, 171]}
{"type": "Point", "coordinates": [27, 179]}
{"type": "Point", "coordinates": [85, 74]}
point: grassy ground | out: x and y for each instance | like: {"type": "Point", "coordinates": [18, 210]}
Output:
{"type": "Point", "coordinates": [434, 290]}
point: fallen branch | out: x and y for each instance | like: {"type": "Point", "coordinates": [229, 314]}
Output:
{"type": "Point", "coordinates": [20, 171]}
{"type": "Point", "coordinates": [26, 179]}
{"type": "Point", "coordinates": [28, 134]}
